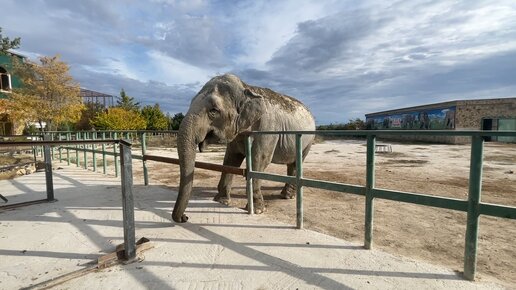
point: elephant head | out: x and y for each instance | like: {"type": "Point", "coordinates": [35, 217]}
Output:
{"type": "Point", "coordinates": [224, 108]}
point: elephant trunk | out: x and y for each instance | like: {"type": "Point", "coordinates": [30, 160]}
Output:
{"type": "Point", "coordinates": [186, 146]}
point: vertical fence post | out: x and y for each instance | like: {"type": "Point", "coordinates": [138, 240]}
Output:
{"type": "Point", "coordinates": [52, 148]}
{"type": "Point", "coordinates": [60, 148]}
{"type": "Point", "coordinates": [85, 148]}
{"type": "Point", "coordinates": [68, 138]}
{"type": "Point", "coordinates": [475, 189]}
{"type": "Point", "coordinates": [117, 170]}
{"type": "Point", "coordinates": [127, 200]}
{"type": "Point", "coordinates": [94, 148]}
{"type": "Point", "coordinates": [48, 169]}
{"type": "Point", "coordinates": [249, 179]}
{"type": "Point", "coordinates": [104, 162]}
{"type": "Point", "coordinates": [144, 150]}
{"type": "Point", "coordinates": [369, 199]}
{"type": "Point", "coordinates": [77, 137]}
{"type": "Point", "coordinates": [299, 185]}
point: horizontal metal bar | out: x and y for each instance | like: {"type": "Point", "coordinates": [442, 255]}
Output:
{"type": "Point", "coordinates": [62, 142]}
{"type": "Point", "coordinates": [26, 203]}
{"type": "Point", "coordinates": [202, 165]}
{"type": "Point", "coordinates": [391, 132]}
{"type": "Point", "coordinates": [340, 187]}
{"type": "Point", "coordinates": [422, 199]}
{"type": "Point", "coordinates": [113, 131]}
{"type": "Point", "coordinates": [498, 210]}
{"type": "Point", "coordinates": [134, 156]}
{"type": "Point", "coordinates": [272, 177]}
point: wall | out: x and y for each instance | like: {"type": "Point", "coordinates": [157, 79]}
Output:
{"type": "Point", "coordinates": [468, 116]}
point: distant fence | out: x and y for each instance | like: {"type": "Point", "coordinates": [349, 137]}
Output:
{"type": "Point", "coordinates": [79, 154]}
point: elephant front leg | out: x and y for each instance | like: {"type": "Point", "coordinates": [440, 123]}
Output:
{"type": "Point", "coordinates": [226, 179]}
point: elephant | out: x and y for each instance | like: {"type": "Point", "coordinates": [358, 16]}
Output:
{"type": "Point", "coordinates": [223, 111]}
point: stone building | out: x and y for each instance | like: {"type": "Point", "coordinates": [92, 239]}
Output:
{"type": "Point", "coordinates": [485, 114]}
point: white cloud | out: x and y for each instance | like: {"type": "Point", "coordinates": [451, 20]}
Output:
{"type": "Point", "coordinates": [172, 71]}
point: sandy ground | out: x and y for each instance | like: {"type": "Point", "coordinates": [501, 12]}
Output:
{"type": "Point", "coordinates": [429, 234]}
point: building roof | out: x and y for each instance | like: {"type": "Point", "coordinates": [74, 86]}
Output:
{"type": "Point", "coordinates": [89, 93]}
{"type": "Point", "coordinates": [433, 106]}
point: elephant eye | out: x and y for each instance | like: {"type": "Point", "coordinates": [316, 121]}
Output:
{"type": "Point", "coordinates": [214, 112]}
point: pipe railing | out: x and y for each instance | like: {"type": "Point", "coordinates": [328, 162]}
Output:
{"type": "Point", "coordinates": [126, 182]}
{"type": "Point", "coordinates": [473, 205]}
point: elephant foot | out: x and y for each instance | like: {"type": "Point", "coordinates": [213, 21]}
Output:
{"type": "Point", "coordinates": [222, 199]}
{"type": "Point", "coordinates": [259, 207]}
{"type": "Point", "coordinates": [288, 193]}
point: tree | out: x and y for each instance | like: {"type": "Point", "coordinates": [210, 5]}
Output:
{"type": "Point", "coordinates": [6, 43]}
{"type": "Point", "coordinates": [155, 118]}
{"type": "Point", "coordinates": [119, 119]}
{"type": "Point", "coordinates": [357, 124]}
{"type": "Point", "coordinates": [91, 111]}
{"type": "Point", "coordinates": [176, 121]}
{"type": "Point", "coordinates": [127, 102]}
{"type": "Point", "coordinates": [49, 94]}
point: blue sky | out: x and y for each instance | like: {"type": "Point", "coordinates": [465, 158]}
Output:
{"type": "Point", "coordinates": [342, 58]}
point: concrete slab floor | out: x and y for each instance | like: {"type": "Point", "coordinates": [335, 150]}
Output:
{"type": "Point", "coordinates": [219, 248]}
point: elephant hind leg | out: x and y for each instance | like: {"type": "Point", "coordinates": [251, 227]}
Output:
{"type": "Point", "coordinates": [289, 190]}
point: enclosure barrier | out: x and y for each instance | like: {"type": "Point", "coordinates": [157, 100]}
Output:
{"type": "Point", "coordinates": [473, 205]}
{"type": "Point", "coordinates": [126, 180]}
{"type": "Point", "coordinates": [140, 137]}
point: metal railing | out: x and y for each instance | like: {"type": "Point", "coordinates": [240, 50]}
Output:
{"type": "Point", "coordinates": [126, 182]}
{"type": "Point", "coordinates": [473, 205]}
{"type": "Point", "coordinates": [82, 152]}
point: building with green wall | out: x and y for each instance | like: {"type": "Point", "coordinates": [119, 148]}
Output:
{"type": "Point", "coordinates": [8, 82]}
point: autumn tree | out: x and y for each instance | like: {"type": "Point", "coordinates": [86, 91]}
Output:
{"type": "Point", "coordinates": [127, 102]}
{"type": "Point", "coordinates": [6, 43]}
{"type": "Point", "coordinates": [49, 93]}
{"type": "Point", "coordinates": [156, 119]}
{"type": "Point", "coordinates": [116, 118]}
{"type": "Point", "coordinates": [91, 111]}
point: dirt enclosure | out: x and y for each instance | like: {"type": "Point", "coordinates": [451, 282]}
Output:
{"type": "Point", "coordinates": [426, 233]}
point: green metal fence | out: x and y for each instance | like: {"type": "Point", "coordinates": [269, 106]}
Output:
{"type": "Point", "coordinates": [83, 152]}
{"type": "Point", "coordinates": [473, 205]}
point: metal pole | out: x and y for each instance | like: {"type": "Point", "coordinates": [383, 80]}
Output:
{"type": "Point", "coordinates": [475, 189]}
{"type": "Point", "coordinates": [48, 170]}
{"type": "Point", "coordinates": [104, 162]}
{"type": "Point", "coordinates": [128, 202]}
{"type": "Point", "coordinates": [68, 138]}
{"type": "Point", "coordinates": [52, 148]}
{"type": "Point", "coordinates": [94, 147]}
{"type": "Point", "coordinates": [144, 150]}
{"type": "Point", "coordinates": [249, 181]}
{"type": "Point", "coordinates": [77, 137]}
{"type": "Point", "coordinates": [117, 170]}
{"type": "Point", "coordinates": [60, 149]}
{"type": "Point", "coordinates": [85, 153]}
{"type": "Point", "coordinates": [299, 176]}
{"type": "Point", "coordinates": [370, 183]}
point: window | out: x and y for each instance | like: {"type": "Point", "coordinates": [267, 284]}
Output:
{"type": "Point", "coordinates": [5, 80]}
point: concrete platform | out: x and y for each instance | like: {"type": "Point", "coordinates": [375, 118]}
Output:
{"type": "Point", "coordinates": [219, 248]}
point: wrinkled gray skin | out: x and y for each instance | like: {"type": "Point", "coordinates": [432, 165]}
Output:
{"type": "Point", "coordinates": [223, 109]}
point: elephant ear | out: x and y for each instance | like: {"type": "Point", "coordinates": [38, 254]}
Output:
{"type": "Point", "coordinates": [250, 111]}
